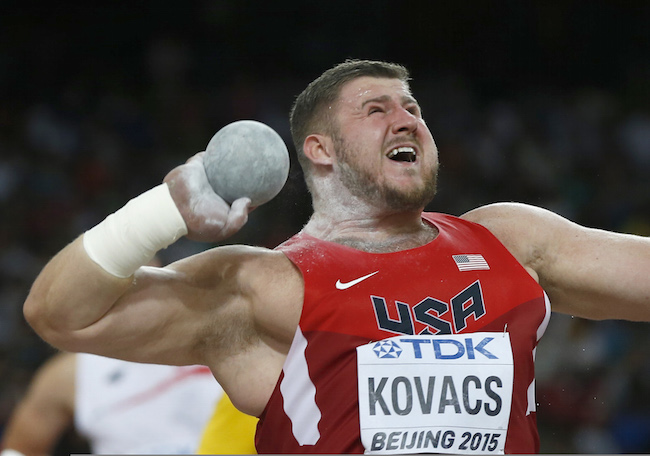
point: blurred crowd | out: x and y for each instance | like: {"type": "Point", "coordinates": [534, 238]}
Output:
{"type": "Point", "coordinates": [70, 158]}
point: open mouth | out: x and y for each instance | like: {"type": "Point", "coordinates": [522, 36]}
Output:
{"type": "Point", "coordinates": [403, 154]}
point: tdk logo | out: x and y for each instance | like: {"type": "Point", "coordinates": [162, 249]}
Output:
{"type": "Point", "coordinates": [447, 349]}
{"type": "Point", "coordinates": [387, 349]}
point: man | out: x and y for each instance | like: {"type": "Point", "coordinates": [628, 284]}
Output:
{"type": "Point", "coordinates": [292, 333]}
{"type": "Point", "coordinates": [120, 407]}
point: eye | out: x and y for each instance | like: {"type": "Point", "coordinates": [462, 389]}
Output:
{"type": "Point", "coordinates": [414, 109]}
{"type": "Point", "coordinates": [374, 109]}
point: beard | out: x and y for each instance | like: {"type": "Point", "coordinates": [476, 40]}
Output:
{"type": "Point", "coordinates": [361, 183]}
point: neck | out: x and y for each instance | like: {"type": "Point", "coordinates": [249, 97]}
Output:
{"type": "Point", "coordinates": [376, 234]}
{"type": "Point", "coordinates": [345, 218]}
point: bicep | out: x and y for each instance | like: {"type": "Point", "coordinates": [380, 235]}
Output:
{"type": "Point", "coordinates": [586, 272]}
{"type": "Point", "coordinates": [597, 274]}
{"type": "Point", "coordinates": [175, 314]}
{"type": "Point", "coordinates": [160, 319]}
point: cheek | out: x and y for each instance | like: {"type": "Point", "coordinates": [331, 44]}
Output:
{"type": "Point", "coordinates": [431, 154]}
{"type": "Point", "coordinates": [365, 140]}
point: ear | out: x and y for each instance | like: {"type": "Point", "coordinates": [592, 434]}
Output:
{"type": "Point", "coordinates": [319, 149]}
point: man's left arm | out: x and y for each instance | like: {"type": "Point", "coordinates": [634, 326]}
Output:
{"type": "Point", "coordinates": [586, 272]}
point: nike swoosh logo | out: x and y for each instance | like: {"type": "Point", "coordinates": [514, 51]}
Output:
{"type": "Point", "coordinates": [345, 285]}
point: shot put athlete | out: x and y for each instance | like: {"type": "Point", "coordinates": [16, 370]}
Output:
{"type": "Point", "coordinates": [324, 337]}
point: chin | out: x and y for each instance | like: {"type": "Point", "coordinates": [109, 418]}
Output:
{"type": "Point", "coordinates": [405, 200]}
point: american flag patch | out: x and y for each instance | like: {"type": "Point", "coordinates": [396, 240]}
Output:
{"type": "Point", "coordinates": [470, 262]}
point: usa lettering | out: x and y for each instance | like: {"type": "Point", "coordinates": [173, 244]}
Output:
{"type": "Point", "coordinates": [402, 395]}
{"type": "Point", "coordinates": [467, 304]}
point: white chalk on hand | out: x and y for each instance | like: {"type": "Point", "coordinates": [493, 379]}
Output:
{"type": "Point", "coordinates": [247, 159]}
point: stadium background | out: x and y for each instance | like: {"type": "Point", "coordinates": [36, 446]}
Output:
{"type": "Point", "coordinates": [541, 102]}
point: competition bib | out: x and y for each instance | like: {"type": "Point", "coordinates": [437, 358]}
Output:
{"type": "Point", "coordinates": [436, 394]}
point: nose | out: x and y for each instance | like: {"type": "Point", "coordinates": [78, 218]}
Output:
{"type": "Point", "coordinates": [405, 121]}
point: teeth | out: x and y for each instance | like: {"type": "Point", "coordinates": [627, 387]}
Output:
{"type": "Point", "coordinates": [393, 153]}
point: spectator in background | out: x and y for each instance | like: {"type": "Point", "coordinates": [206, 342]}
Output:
{"type": "Point", "coordinates": [119, 407]}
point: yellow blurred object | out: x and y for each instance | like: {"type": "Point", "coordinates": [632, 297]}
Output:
{"type": "Point", "coordinates": [229, 431]}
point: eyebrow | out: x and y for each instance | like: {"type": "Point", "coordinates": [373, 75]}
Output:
{"type": "Point", "coordinates": [386, 98]}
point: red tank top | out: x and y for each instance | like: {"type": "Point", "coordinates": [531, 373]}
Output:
{"type": "Point", "coordinates": [463, 281]}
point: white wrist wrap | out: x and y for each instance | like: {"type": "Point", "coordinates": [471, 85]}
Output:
{"type": "Point", "coordinates": [10, 452]}
{"type": "Point", "coordinates": [130, 237]}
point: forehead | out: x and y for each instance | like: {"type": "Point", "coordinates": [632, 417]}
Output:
{"type": "Point", "coordinates": [354, 93]}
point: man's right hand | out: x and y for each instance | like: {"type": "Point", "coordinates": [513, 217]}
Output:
{"type": "Point", "coordinates": [208, 217]}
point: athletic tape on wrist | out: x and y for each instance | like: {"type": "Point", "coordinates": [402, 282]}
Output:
{"type": "Point", "coordinates": [10, 452]}
{"type": "Point", "coordinates": [131, 236]}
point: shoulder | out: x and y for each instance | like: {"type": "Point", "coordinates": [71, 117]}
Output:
{"type": "Point", "coordinates": [510, 212]}
{"type": "Point", "coordinates": [531, 234]}
{"type": "Point", "coordinates": [256, 273]}
{"type": "Point", "coordinates": [512, 223]}
{"type": "Point", "coordinates": [267, 280]}
{"type": "Point", "coordinates": [226, 264]}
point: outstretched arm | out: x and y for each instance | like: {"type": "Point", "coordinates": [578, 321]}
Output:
{"type": "Point", "coordinates": [43, 415]}
{"type": "Point", "coordinates": [586, 272]}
